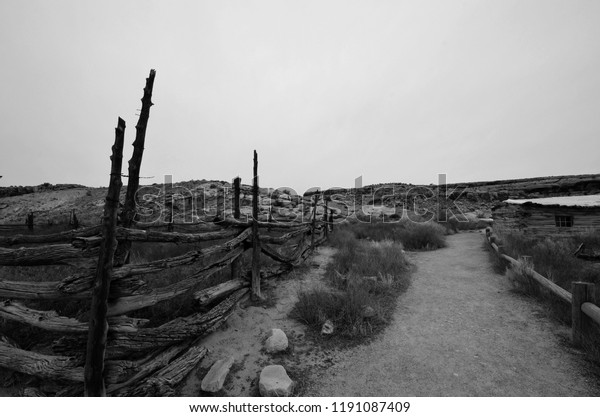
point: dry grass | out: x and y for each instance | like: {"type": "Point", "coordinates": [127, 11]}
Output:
{"type": "Point", "coordinates": [364, 280]}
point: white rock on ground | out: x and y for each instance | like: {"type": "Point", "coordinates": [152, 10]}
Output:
{"type": "Point", "coordinates": [277, 341]}
{"type": "Point", "coordinates": [327, 327]}
{"type": "Point", "coordinates": [215, 378]}
{"type": "Point", "coordinates": [275, 382]}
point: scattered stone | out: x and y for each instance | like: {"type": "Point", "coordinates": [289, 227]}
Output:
{"type": "Point", "coordinates": [277, 341]}
{"type": "Point", "coordinates": [327, 328]}
{"type": "Point", "coordinates": [215, 378]}
{"type": "Point", "coordinates": [275, 382]}
{"type": "Point", "coordinates": [368, 312]}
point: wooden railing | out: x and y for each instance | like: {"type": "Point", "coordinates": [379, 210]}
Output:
{"type": "Point", "coordinates": [582, 298]}
{"type": "Point", "coordinates": [113, 353]}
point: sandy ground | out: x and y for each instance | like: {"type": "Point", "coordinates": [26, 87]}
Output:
{"type": "Point", "coordinates": [248, 328]}
{"type": "Point", "coordinates": [460, 331]}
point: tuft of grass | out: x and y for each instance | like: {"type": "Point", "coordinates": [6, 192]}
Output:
{"type": "Point", "coordinates": [362, 284]}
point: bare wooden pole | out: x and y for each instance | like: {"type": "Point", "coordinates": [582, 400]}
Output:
{"type": "Point", "coordinates": [256, 295]}
{"type": "Point", "coordinates": [96, 343]}
{"type": "Point", "coordinates": [135, 163]}
{"type": "Point", "coordinates": [236, 266]}
{"type": "Point", "coordinates": [582, 292]}
{"type": "Point", "coordinates": [314, 221]}
{"type": "Point", "coordinates": [236, 197]}
{"type": "Point", "coordinates": [325, 212]}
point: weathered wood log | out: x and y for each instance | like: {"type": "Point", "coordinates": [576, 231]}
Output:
{"type": "Point", "coordinates": [163, 383]}
{"type": "Point", "coordinates": [98, 330]}
{"type": "Point", "coordinates": [60, 254]}
{"type": "Point", "coordinates": [51, 321]}
{"type": "Point", "coordinates": [175, 237]}
{"type": "Point", "coordinates": [31, 290]}
{"type": "Point", "coordinates": [208, 296]}
{"type": "Point", "coordinates": [130, 372]}
{"type": "Point", "coordinates": [123, 305]}
{"type": "Point", "coordinates": [175, 331]}
{"type": "Point", "coordinates": [49, 238]}
{"type": "Point", "coordinates": [256, 295]}
{"type": "Point", "coordinates": [43, 366]}
{"type": "Point", "coordinates": [274, 225]}
{"type": "Point", "coordinates": [127, 216]}
{"type": "Point", "coordinates": [286, 237]}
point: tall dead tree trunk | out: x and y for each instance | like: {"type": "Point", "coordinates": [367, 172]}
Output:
{"type": "Point", "coordinates": [128, 214]}
{"type": "Point", "coordinates": [256, 295]}
{"type": "Point", "coordinates": [96, 343]}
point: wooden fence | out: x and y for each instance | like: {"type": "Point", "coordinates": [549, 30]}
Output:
{"type": "Point", "coordinates": [585, 313]}
{"type": "Point", "coordinates": [114, 353]}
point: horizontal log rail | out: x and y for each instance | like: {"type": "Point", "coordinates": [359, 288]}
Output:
{"type": "Point", "coordinates": [50, 238]}
{"type": "Point", "coordinates": [59, 254]}
{"type": "Point", "coordinates": [51, 321]}
{"type": "Point", "coordinates": [138, 235]}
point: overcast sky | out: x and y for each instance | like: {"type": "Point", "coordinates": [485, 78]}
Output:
{"type": "Point", "coordinates": [325, 91]}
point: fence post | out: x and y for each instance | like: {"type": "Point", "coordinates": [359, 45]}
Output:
{"type": "Point", "coordinates": [220, 204]}
{"type": "Point", "coordinates": [236, 266]}
{"type": "Point", "coordinates": [325, 213]}
{"type": "Point", "coordinates": [582, 292]}
{"type": "Point", "coordinates": [256, 295]}
{"type": "Point", "coordinates": [314, 221]}
{"type": "Point", "coordinates": [236, 197]}
{"type": "Point", "coordinates": [29, 220]}
{"type": "Point", "coordinates": [128, 214]}
{"type": "Point", "coordinates": [96, 342]}
{"type": "Point", "coordinates": [331, 219]}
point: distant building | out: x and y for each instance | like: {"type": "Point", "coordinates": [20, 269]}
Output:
{"type": "Point", "coordinates": [549, 216]}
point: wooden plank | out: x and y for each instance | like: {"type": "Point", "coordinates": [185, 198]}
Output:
{"type": "Point", "coordinates": [43, 366]}
{"type": "Point", "coordinates": [98, 329]}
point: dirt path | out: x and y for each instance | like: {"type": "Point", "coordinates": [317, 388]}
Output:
{"type": "Point", "coordinates": [460, 331]}
{"type": "Point", "coordinates": [247, 328]}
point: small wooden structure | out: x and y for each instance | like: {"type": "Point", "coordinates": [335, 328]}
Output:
{"type": "Point", "coordinates": [549, 216]}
